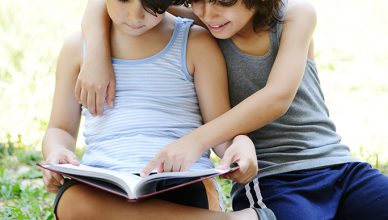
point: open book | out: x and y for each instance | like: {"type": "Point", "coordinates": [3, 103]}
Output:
{"type": "Point", "coordinates": [131, 186]}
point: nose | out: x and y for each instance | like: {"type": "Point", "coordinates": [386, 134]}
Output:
{"type": "Point", "coordinates": [204, 10]}
{"type": "Point", "coordinates": [135, 10]}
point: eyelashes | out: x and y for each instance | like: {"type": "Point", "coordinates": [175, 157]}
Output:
{"type": "Point", "coordinates": [225, 3]}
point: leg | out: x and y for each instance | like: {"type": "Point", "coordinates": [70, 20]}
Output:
{"type": "Point", "coordinates": [302, 195]}
{"type": "Point", "coordinates": [250, 197]}
{"type": "Point", "coordinates": [365, 195]}
{"type": "Point", "coordinates": [83, 202]}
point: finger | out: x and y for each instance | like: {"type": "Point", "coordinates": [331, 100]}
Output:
{"type": "Point", "coordinates": [150, 166]}
{"type": "Point", "coordinates": [243, 166]}
{"type": "Point", "coordinates": [167, 167]}
{"type": "Point", "coordinates": [77, 91]}
{"type": "Point", "coordinates": [225, 162]}
{"type": "Point", "coordinates": [111, 93]}
{"type": "Point", "coordinates": [176, 168]}
{"type": "Point", "coordinates": [184, 167]}
{"type": "Point", "coordinates": [50, 180]}
{"type": "Point", "coordinates": [72, 159]}
{"type": "Point", "coordinates": [57, 180]}
{"type": "Point", "coordinates": [52, 189]}
{"type": "Point", "coordinates": [45, 180]}
{"type": "Point", "coordinates": [236, 177]}
{"type": "Point", "coordinates": [91, 102]}
{"type": "Point", "coordinates": [83, 98]}
{"type": "Point", "coordinates": [100, 98]}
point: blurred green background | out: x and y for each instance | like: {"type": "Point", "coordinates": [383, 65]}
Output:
{"type": "Point", "coordinates": [351, 52]}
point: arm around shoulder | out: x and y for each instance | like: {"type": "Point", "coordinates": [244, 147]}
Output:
{"type": "Point", "coordinates": [288, 69]}
{"type": "Point", "coordinates": [96, 82]}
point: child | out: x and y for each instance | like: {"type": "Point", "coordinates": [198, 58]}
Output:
{"type": "Point", "coordinates": [305, 172]}
{"type": "Point", "coordinates": [161, 64]}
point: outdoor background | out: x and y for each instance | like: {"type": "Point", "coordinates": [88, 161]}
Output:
{"type": "Point", "coordinates": [351, 52]}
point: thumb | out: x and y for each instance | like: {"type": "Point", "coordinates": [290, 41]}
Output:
{"type": "Point", "coordinates": [71, 158]}
{"type": "Point", "coordinates": [111, 92]}
{"type": "Point", "coordinates": [225, 162]}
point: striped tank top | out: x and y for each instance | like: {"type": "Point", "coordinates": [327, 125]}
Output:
{"type": "Point", "coordinates": [156, 103]}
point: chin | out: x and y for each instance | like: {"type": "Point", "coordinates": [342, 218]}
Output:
{"type": "Point", "coordinates": [221, 36]}
{"type": "Point", "coordinates": [135, 34]}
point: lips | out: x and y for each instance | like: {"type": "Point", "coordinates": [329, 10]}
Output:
{"type": "Point", "coordinates": [217, 27]}
{"type": "Point", "coordinates": [135, 26]}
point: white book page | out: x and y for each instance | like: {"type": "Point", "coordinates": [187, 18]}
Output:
{"type": "Point", "coordinates": [126, 181]}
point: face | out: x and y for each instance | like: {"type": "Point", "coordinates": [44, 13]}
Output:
{"type": "Point", "coordinates": [224, 21]}
{"type": "Point", "coordinates": [130, 17]}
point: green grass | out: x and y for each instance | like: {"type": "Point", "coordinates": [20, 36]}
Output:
{"type": "Point", "coordinates": [23, 195]}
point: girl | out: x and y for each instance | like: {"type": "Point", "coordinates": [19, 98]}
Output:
{"type": "Point", "coordinates": [305, 172]}
{"type": "Point", "coordinates": [164, 69]}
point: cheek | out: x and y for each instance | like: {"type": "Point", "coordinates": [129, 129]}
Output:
{"type": "Point", "coordinates": [197, 9]}
{"type": "Point", "coordinates": [155, 20]}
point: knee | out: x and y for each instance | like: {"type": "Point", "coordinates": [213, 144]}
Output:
{"type": "Point", "coordinates": [75, 203]}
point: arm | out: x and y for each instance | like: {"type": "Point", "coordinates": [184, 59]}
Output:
{"type": "Point", "coordinates": [96, 81]}
{"type": "Point", "coordinates": [265, 105]}
{"type": "Point", "coordinates": [58, 144]}
{"type": "Point", "coordinates": [205, 62]}
{"type": "Point", "coordinates": [205, 59]}
{"type": "Point", "coordinates": [271, 102]}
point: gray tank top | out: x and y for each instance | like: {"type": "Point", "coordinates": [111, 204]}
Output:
{"type": "Point", "coordinates": [304, 137]}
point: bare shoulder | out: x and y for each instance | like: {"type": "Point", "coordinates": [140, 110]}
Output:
{"type": "Point", "coordinates": [201, 46]}
{"type": "Point", "coordinates": [71, 52]}
{"type": "Point", "coordinates": [200, 40]}
{"type": "Point", "coordinates": [200, 34]}
{"type": "Point", "coordinates": [301, 12]}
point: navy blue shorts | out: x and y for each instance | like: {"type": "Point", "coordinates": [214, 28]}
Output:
{"type": "Point", "coordinates": [347, 191]}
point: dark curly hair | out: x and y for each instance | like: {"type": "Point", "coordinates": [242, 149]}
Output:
{"type": "Point", "coordinates": [160, 6]}
{"type": "Point", "coordinates": [268, 12]}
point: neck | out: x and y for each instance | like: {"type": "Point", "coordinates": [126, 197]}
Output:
{"type": "Point", "coordinates": [246, 32]}
{"type": "Point", "coordinates": [251, 42]}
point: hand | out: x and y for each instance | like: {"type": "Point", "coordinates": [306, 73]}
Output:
{"type": "Point", "coordinates": [177, 156]}
{"type": "Point", "coordinates": [242, 151]}
{"type": "Point", "coordinates": [53, 180]}
{"type": "Point", "coordinates": [95, 85]}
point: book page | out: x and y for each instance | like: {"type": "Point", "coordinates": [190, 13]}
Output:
{"type": "Point", "coordinates": [126, 181]}
{"type": "Point", "coordinates": [149, 184]}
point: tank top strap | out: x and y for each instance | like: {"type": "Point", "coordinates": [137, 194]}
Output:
{"type": "Point", "coordinates": [179, 47]}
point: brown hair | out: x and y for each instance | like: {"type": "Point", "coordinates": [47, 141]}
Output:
{"type": "Point", "coordinates": [267, 15]}
{"type": "Point", "coordinates": [159, 6]}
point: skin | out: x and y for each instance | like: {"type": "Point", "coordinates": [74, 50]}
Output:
{"type": "Point", "coordinates": [132, 28]}
{"type": "Point", "coordinates": [273, 100]}
{"type": "Point", "coordinates": [98, 90]}
{"type": "Point", "coordinates": [267, 104]}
